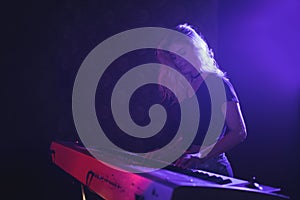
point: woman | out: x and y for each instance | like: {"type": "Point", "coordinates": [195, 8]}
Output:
{"type": "Point", "coordinates": [234, 131]}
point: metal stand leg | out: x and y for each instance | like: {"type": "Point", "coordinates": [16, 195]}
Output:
{"type": "Point", "coordinates": [82, 192]}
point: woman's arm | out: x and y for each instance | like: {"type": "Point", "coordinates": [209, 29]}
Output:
{"type": "Point", "coordinates": [236, 129]}
{"type": "Point", "coordinates": [236, 133]}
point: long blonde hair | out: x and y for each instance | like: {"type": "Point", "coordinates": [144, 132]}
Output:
{"type": "Point", "coordinates": [204, 60]}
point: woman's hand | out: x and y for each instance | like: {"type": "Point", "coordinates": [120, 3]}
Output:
{"type": "Point", "coordinates": [190, 161]}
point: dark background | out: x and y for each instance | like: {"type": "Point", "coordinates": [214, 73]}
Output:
{"type": "Point", "coordinates": [44, 43]}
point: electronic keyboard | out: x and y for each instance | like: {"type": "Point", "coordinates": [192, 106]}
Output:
{"type": "Point", "coordinates": [170, 182]}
